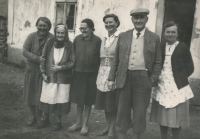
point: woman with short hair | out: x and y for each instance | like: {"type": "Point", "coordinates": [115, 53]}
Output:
{"type": "Point", "coordinates": [83, 90]}
{"type": "Point", "coordinates": [170, 107]}
{"type": "Point", "coordinates": [105, 98]}
{"type": "Point", "coordinates": [32, 51]}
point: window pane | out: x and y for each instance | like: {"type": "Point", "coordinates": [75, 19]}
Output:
{"type": "Point", "coordinates": [59, 13]}
{"type": "Point", "coordinates": [70, 11]}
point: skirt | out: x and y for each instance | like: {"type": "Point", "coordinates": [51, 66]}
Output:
{"type": "Point", "coordinates": [171, 117]}
{"type": "Point", "coordinates": [106, 101]}
{"type": "Point", "coordinates": [32, 84]}
{"type": "Point", "coordinates": [83, 88]}
{"type": "Point", "coordinates": [56, 109]}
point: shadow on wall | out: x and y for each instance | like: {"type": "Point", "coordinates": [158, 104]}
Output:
{"type": "Point", "coordinates": [15, 56]}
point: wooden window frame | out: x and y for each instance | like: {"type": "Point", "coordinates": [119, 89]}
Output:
{"type": "Point", "coordinates": [67, 2]}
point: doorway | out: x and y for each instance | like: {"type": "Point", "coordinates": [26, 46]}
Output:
{"type": "Point", "coordinates": [182, 13]}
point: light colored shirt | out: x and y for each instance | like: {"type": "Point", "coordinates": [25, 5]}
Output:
{"type": "Point", "coordinates": [109, 44]}
{"type": "Point", "coordinates": [136, 58]}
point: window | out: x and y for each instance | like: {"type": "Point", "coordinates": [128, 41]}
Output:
{"type": "Point", "coordinates": [66, 13]}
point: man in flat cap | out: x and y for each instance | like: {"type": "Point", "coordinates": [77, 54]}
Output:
{"type": "Point", "coordinates": [136, 67]}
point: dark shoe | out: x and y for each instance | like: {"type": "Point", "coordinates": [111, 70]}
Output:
{"type": "Point", "coordinates": [102, 133]}
{"type": "Point", "coordinates": [31, 120]}
{"type": "Point", "coordinates": [56, 127]}
{"type": "Point", "coordinates": [84, 131]}
{"type": "Point", "coordinates": [74, 128]}
{"type": "Point", "coordinates": [42, 124]}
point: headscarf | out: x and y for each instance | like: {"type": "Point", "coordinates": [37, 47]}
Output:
{"type": "Point", "coordinates": [60, 44]}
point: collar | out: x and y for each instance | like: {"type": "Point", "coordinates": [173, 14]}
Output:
{"type": "Point", "coordinates": [116, 34]}
{"type": "Point", "coordinates": [174, 44]}
{"type": "Point", "coordinates": [88, 39]}
{"type": "Point", "coordinates": [135, 33]}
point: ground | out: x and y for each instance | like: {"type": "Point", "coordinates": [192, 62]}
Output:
{"type": "Point", "coordinates": [13, 114]}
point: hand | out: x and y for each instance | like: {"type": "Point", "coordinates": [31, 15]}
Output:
{"type": "Point", "coordinates": [55, 68]}
{"type": "Point", "coordinates": [41, 60]}
{"type": "Point", "coordinates": [45, 78]}
{"type": "Point", "coordinates": [151, 81]}
{"type": "Point", "coordinates": [111, 85]}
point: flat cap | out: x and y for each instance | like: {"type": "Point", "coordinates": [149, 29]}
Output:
{"type": "Point", "coordinates": [139, 11]}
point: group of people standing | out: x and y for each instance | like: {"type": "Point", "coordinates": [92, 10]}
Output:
{"type": "Point", "coordinates": [116, 74]}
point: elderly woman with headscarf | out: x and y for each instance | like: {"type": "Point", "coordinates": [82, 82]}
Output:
{"type": "Point", "coordinates": [83, 90]}
{"type": "Point", "coordinates": [32, 50]}
{"type": "Point", "coordinates": [57, 72]}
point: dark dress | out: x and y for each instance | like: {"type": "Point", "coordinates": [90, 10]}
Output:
{"type": "Point", "coordinates": [32, 50]}
{"type": "Point", "coordinates": [83, 87]}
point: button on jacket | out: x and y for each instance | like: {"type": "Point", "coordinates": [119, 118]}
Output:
{"type": "Point", "coordinates": [87, 53]}
{"type": "Point", "coordinates": [152, 57]}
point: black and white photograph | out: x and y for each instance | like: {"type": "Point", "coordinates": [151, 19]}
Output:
{"type": "Point", "coordinates": [99, 69]}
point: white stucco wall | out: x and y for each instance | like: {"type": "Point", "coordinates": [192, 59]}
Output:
{"type": "Point", "coordinates": [25, 12]}
{"type": "Point", "coordinates": [96, 9]}
{"type": "Point", "coordinates": [195, 42]}
{"type": "Point", "coordinates": [22, 17]}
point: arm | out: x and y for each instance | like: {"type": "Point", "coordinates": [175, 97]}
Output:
{"type": "Point", "coordinates": [43, 63]}
{"type": "Point", "coordinates": [70, 64]}
{"type": "Point", "coordinates": [115, 63]}
{"type": "Point", "coordinates": [99, 49]}
{"type": "Point", "coordinates": [188, 62]}
{"type": "Point", "coordinates": [27, 50]}
{"type": "Point", "coordinates": [157, 61]}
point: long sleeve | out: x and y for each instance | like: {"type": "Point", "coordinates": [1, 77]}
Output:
{"type": "Point", "coordinates": [70, 64]}
{"type": "Point", "coordinates": [44, 55]}
{"type": "Point", "coordinates": [188, 62]}
{"type": "Point", "coordinates": [114, 66]}
{"type": "Point", "coordinates": [157, 61]}
{"type": "Point", "coordinates": [28, 44]}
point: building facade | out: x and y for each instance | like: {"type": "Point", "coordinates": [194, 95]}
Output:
{"type": "Point", "coordinates": [22, 16]}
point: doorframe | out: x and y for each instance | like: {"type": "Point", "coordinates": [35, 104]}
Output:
{"type": "Point", "coordinates": [160, 17]}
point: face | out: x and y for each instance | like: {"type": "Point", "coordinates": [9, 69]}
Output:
{"type": "Point", "coordinates": [60, 34]}
{"type": "Point", "coordinates": [86, 31]}
{"type": "Point", "coordinates": [110, 24]}
{"type": "Point", "coordinates": [42, 28]}
{"type": "Point", "coordinates": [171, 34]}
{"type": "Point", "coordinates": [139, 21]}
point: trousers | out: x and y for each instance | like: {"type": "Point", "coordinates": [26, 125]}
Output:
{"type": "Point", "coordinates": [135, 96]}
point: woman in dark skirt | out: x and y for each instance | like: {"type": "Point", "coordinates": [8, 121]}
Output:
{"type": "Point", "coordinates": [32, 50]}
{"type": "Point", "coordinates": [83, 90]}
{"type": "Point", "coordinates": [57, 73]}
{"type": "Point", "coordinates": [106, 99]}
{"type": "Point", "coordinates": [170, 107]}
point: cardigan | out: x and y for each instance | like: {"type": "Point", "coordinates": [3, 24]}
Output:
{"type": "Point", "coordinates": [182, 64]}
{"type": "Point", "coordinates": [31, 48]}
{"type": "Point", "coordinates": [87, 53]}
{"type": "Point", "coordinates": [67, 62]}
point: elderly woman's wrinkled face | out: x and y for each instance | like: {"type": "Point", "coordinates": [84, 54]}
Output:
{"type": "Point", "coordinates": [60, 34]}
{"type": "Point", "coordinates": [171, 34]}
{"type": "Point", "coordinates": [110, 24]}
{"type": "Point", "coordinates": [86, 31]}
{"type": "Point", "coordinates": [42, 28]}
